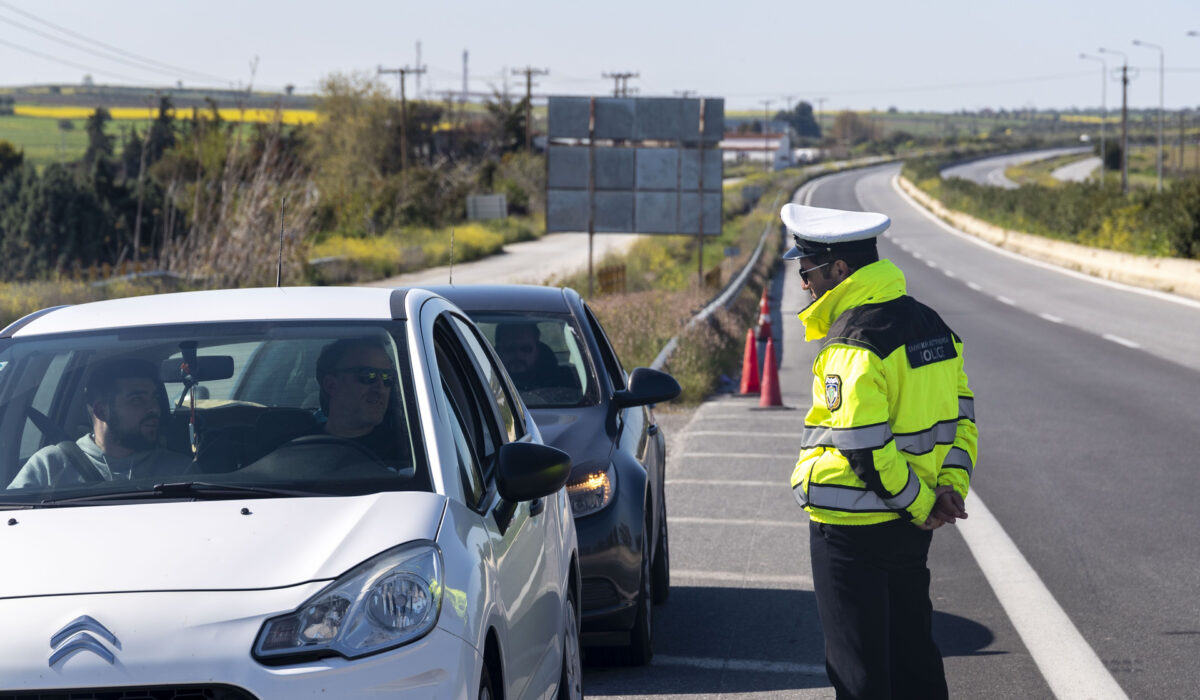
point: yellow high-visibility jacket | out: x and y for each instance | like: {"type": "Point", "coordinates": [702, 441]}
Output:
{"type": "Point", "coordinates": [892, 414]}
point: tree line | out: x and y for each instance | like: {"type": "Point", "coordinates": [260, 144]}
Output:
{"type": "Point", "coordinates": [208, 200]}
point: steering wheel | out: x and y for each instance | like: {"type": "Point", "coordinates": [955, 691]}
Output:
{"type": "Point", "coordinates": [320, 455]}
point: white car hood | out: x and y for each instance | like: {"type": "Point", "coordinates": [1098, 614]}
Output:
{"type": "Point", "coordinates": [205, 545]}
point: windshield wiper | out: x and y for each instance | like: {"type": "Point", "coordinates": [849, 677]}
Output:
{"type": "Point", "coordinates": [200, 490]}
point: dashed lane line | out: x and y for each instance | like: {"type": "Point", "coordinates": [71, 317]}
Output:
{"type": "Point", "coordinates": [733, 455]}
{"type": "Point", "coordinates": [736, 433]}
{"type": "Point", "coordinates": [1006, 300]}
{"type": "Point", "coordinates": [789, 580]}
{"type": "Point", "coordinates": [1051, 318]}
{"type": "Point", "coordinates": [745, 665]}
{"type": "Point", "coordinates": [726, 482]}
{"type": "Point", "coordinates": [737, 522]}
{"type": "Point", "coordinates": [950, 273]}
{"type": "Point", "coordinates": [1175, 298]}
{"type": "Point", "coordinates": [975, 286]}
{"type": "Point", "coordinates": [1121, 341]}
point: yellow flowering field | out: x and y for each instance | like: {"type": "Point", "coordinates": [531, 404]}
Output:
{"type": "Point", "coordinates": [288, 116]}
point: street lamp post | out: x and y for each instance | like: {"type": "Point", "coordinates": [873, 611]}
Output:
{"type": "Point", "coordinates": [1161, 60]}
{"type": "Point", "coordinates": [1103, 106]}
{"type": "Point", "coordinates": [1124, 116]}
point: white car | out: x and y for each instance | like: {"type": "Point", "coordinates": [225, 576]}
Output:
{"type": "Point", "coordinates": [261, 551]}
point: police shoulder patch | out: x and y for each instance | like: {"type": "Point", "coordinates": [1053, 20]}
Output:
{"type": "Point", "coordinates": [927, 352]}
{"type": "Point", "coordinates": [833, 392]}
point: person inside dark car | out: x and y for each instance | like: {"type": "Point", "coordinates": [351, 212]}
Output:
{"type": "Point", "coordinates": [530, 362]}
{"type": "Point", "coordinates": [126, 403]}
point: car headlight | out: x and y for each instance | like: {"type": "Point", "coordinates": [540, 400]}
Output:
{"type": "Point", "coordinates": [591, 489]}
{"type": "Point", "coordinates": [389, 600]}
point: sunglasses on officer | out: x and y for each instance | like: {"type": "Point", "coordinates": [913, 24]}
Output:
{"type": "Point", "coordinates": [370, 375]}
{"type": "Point", "coordinates": [805, 273]}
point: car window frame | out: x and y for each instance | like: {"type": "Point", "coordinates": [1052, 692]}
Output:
{"type": "Point", "coordinates": [608, 354]}
{"type": "Point", "coordinates": [450, 349]}
{"type": "Point", "coordinates": [482, 352]}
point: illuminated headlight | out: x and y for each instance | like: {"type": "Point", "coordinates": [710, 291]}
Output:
{"type": "Point", "coordinates": [591, 489]}
{"type": "Point", "coordinates": [380, 604]}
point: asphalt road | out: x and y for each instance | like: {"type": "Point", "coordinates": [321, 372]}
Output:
{"type": "Point", "coordinates": [990, 171]}
{"type": "Point", "coordinates": [1088, 440]}
{"type": "Point", "coordinates": [527, 262]}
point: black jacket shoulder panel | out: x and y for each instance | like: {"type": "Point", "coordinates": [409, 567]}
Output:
{"type": "Point", "coordinates": [883, 328]}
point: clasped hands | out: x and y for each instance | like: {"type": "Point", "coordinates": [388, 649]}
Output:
{"type": "Point", "coordinates": [946, 510]}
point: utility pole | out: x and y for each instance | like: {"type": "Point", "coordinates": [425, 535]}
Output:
{"type": "Point", "coordinates": [620, 82]}
{"type": "Point", "coordinates": [821, 114]}
{"type": "Point", "coordinates": [768, 158]}
{"type": "Point", "coordinates": [402, 72]}
{"type": "Point", "coordinates": [529, 72]}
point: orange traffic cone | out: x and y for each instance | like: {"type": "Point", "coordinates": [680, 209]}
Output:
{"type": "Point", "coordinates": [770, 381]}
{"type": "Point", "coordinates": [764, 317]}
{"type": "Point", "coordinates": [750, 365]}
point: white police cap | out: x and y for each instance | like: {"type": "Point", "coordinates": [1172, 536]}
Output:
{"type": "Point", "coordinates": [817, 230]}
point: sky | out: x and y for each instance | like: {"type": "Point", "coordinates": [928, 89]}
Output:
{"type": "Point", "coordinates": [932, 55]}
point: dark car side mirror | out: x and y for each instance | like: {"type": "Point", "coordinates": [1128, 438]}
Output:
{"type": "Point", "coordinates": [529, 470]}
{"type": "Point", "coordinates": [647, 386]}
{"type": "Point", "coordinates": [526, 471]}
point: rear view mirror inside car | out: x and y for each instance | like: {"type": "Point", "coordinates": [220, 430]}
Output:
{"type": "Point", "coordinates": [208, 368]}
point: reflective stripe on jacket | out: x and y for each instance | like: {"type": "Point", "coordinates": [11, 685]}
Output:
{"type": "Point", "coordinates": [892, 414]}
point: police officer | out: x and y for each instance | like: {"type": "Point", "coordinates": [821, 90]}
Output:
{"type": "Point", "coordinates": [886, 458]}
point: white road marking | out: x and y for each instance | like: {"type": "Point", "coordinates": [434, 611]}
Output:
{"type": "Point", "coordinates": [736, 522]}
{"type": "Point", "coordinates": [726, 482]}
{"type": "Point", "coordinates": [1006, 300]}
{"type": "Point", "coordinates": [1051, 318]}
{"type": "Point", "coordinates": [751, 666]}
{"type": "Point", "coordinates": [917, 255]}
{"type": "Point", "coordinates": [805, 582]}
{"type": "Point", "coordinates": [974, 286]}
{"type": "Point", "coordinates": [1067, 662]}
{"type": "Point", "coordinates": [950, 273]}
{"type": "Point", "coordinates": [739, 433]}
{"type": "Point", "coordinates": [1120, 341]}
{"type": "Point", "coordinates": [1195, 304]}
{"type": "Point", "coordinates": [931, 264]}
{"type": "Point", "coordinates": [732, 455]}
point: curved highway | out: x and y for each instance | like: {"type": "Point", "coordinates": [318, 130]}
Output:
{"type": "Point", "coordinates": [990, 171]}
{"type": "Point", "coordinates": [1075, 575]}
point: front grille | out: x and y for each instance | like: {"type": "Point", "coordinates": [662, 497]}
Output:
{"type": "Point", "coordinates": [599, 593]}
{"type": "Point", "coordinates": [175, 692]}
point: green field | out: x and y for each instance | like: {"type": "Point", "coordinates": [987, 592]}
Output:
{"type": "Point", "coordinates": [44, 143]}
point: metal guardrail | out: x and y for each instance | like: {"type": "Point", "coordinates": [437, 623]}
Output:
{"type": "Point", "coordinates": [735, 285]}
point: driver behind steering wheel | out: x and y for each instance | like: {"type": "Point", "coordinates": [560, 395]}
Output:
{"type": "Point", "coordinates": [356, 378]}
{"type": "Point", "coordinates": [125, 401]}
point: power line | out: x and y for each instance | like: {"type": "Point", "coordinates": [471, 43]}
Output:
{"type": "Point", "coordinates": [175, 69]}
{"type": "Point", "coordinates": [65, 62]}
{"type": "Point", "coordinates": [85, 49]}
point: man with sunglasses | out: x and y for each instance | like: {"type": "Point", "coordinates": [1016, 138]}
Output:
{"type": "Point", "coordinates": [886, 457]}
{"type": "Point", "coordinates": [356, 380]}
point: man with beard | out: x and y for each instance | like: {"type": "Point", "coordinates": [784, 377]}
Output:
{"type": "Point", "coordinates": [125, 400]}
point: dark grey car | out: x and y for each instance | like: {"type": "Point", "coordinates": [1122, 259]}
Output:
{"type": "Point", "coordinates": [585, 404]}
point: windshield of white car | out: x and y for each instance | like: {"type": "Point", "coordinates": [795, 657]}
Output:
{"type": "Point", "coordinates": [282, 407]}
{"type": "Point", "coordinates": [545, 356]}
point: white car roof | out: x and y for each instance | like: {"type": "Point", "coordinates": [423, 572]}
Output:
{"type": "Point", "coordinates": [264, 304]}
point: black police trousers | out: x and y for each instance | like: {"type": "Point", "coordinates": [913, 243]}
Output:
{"type": "Point", "coordinates": [872, 589]}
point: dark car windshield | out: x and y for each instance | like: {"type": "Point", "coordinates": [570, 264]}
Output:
{"type": "Point", "coordinates": [544, 354]}
{"type": "Point", "coordinates": [285, 408]}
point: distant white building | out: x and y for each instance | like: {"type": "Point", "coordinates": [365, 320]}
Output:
{"type": "Point", "coordinates": [758, 148]}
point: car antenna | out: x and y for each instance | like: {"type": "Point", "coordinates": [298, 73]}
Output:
{"type": "Point", "coordinates": [279, 266]}
{"type": "Point", "coordinates": [452, 256]}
